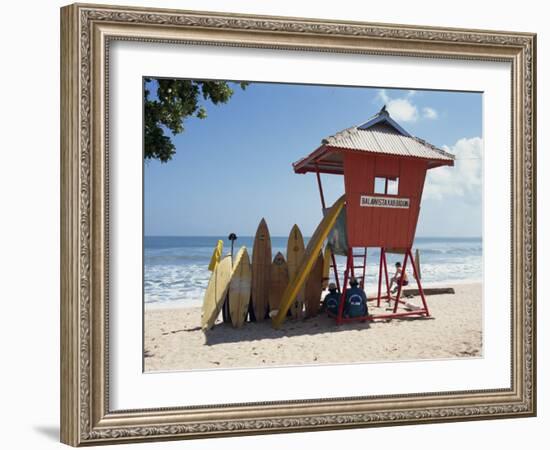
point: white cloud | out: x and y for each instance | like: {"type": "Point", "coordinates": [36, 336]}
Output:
{"type": "Point", "coordinates": [383, 95]}
{"type": "Point", "coordinates": [429, 113]}
{"type": "Point", "coordinates": [403, 109]}
{"type": "Point", "coordinates": [464, 179]}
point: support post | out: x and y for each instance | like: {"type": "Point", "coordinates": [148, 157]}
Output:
{"type": "Point", "coordinates": [364, 269]}
{"type": "Point", "coordinates": [335, 267]}
{"type": "Point", "coordinates": [388, 293]}
{"type": "Point", "coordinates": [323, 205]}
{"type": "Point", "coordinates": [320, 187]}
{"type": "Point", "coordinates": [352, 262]}
{"type": "Point", "coordinates": [380, 277]}
{"type": "Point", "coordinates": [344, 288]}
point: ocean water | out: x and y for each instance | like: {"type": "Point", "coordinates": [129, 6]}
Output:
{"type": "Point", "coordinates": [176, 267]}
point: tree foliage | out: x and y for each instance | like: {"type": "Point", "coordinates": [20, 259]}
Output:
{"type": "Point", "coordinates": [175, 100]}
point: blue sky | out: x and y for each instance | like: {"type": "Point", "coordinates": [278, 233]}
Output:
{"type": "Point", "coordinates": [235, 167]}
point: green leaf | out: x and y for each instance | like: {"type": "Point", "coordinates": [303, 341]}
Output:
{"type": "Point", "coordinates": [174, 102]}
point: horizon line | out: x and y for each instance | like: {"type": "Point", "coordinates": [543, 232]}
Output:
{"type": "Point", "coordinates": [286, 236]}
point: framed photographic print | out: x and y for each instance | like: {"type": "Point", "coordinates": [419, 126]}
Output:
{"type": "Point", "coordinates": [280, 224]}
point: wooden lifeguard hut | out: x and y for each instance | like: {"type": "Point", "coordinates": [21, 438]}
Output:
{"type": "Point", "coordinates": [384, 169]}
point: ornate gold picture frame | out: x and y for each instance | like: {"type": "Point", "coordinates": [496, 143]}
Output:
{"type": "Point", "coordinates": [87, 31]}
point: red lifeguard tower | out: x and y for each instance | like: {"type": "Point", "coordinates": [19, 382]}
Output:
{"type": "Point", "coordinates": [384, 169]}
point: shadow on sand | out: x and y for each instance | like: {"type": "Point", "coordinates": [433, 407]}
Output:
{"type": "Point", "coordinates": [223, 333]}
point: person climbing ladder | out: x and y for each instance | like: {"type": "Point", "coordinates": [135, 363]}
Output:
{"type": "Point", "coordinates": [397, 278]}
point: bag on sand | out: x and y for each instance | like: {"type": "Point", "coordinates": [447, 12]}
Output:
{"type": "Point", "coordinates": [332, 302]}
{"type": "Point", "coordinates": [356, 306]}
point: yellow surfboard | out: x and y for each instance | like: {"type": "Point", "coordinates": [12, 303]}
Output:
{"type": "Point", "coordinates": [261, 270]}
{"type": "Point", "coordinates": [216, 292]}
{"type": "Point", "coordinates": [314, 246]}
{"type": "Point", "coordinates": [239, 288]}
{"type": "Point", "coordinates": [295, 250]}
{"type": "Point", "coordinates": [216, 256]}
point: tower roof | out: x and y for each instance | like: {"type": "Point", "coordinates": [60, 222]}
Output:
{"type": "Point", "coordinates": [381, 134]}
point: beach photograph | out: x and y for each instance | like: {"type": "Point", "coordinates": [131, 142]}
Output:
{"type": "Point", "coordinates": [293, 224]}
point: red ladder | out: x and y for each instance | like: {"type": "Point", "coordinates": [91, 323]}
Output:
{"type": "Point", "coordinates": [362, 266]}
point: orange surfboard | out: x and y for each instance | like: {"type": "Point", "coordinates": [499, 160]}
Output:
{"type": "Point", "coordinates": [278, 281]}
{"type": "Point", "coordinates": [261, 271]}
{"type": "Point", "coordinates": [294, 254]}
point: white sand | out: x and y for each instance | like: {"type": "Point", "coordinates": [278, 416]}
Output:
{"type": "Point", "coordinates": [174, 340]}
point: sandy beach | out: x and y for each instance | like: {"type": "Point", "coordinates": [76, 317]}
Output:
{"type": "Point", "coordinates": [174, 341]}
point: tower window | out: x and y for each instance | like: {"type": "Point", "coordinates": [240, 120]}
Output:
{"type": "Point", "coordinates": [388, 186]}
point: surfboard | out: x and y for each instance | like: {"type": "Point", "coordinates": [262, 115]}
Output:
{"type": "Point", "coordinates": [261, 270]}
{"type": "Point", "coordinates": [239, 288]}
{"type": "Point", "coordinates": [278, 281]}
{"type": "Point", "coordinates": [294, 253]}
{"type": "Point", "coordinates": [314, 246]}
{"type": "Point", "coordinates": [216, 256]}
{"type": "Point", "coordinates": [216, 292]}
{"type": "Point", "coordinates": [314, 287]}
{"type": "Point", "coordinates": [327, 261]}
